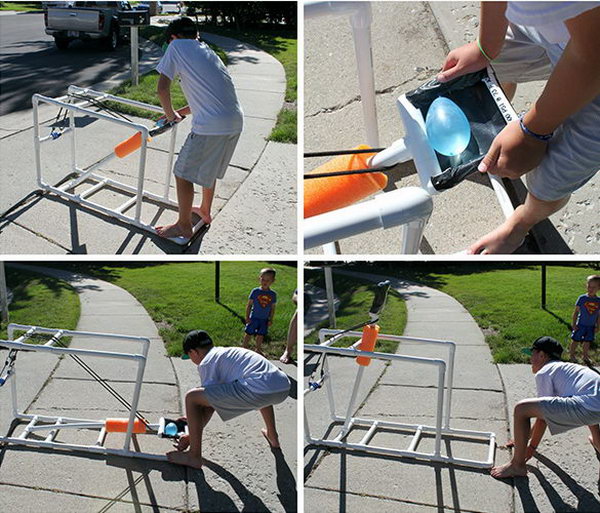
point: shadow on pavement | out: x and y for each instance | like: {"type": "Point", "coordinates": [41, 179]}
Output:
{"type": "Point", "coordinates": [587, 502]}
{"type": "Point", "coordinates": [438, 468]}
{"type": "Point", "coordinates": [214, 501]}
{"type": "Point", "coordinates": [77, 246]}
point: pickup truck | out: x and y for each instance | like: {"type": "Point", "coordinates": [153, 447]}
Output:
{"type": "Point", "coordinates": [86, 20]}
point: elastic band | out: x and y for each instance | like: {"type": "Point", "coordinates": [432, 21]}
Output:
{"type": "Point", "coordinates": [482, 51]}
{"type": "Point", "coordinates": [539, 137]}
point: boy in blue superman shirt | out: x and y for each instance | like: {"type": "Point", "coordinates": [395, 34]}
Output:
{"type": "Point", "coordinates": [586, 318]}
{"type": "Point", "coordinates": [260, 309]}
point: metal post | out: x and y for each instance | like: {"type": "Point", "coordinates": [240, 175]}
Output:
{"type": "Point", "coordinates": [135, 78]}
{"type": "Point", "coordinates": [330, 295]}
{"type": "Point", "coordinates": [217, 281]}
{"type": "Point", "coordinates": [3, 294]}
{"type": "Point", "coordinates": [544, 286]}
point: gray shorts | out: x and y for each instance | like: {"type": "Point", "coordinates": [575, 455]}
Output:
{"type": "Point", "coordinates": [564, 413]}
{"type": "Point", "coordinates": [204, 158]}
{"type": "Point", "coordinates": [232, 399]}
{"type": "Point", "coordinates": [573, 155]}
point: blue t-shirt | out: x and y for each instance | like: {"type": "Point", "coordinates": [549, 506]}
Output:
{"type": "Point", "coordinates": [589, 307]}
{"type": "Point", "coordinates": [262, 301]}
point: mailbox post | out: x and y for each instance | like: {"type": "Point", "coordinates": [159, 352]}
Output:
{"type": "Point", "coordinates": [134, 19]}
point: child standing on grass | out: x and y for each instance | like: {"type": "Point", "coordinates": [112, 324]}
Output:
{"type": "Point", "coordinates": [586, 319]}
{"type": "Point", "coordinates": [217, 121]}
{"type": "Point", "coordinates": [234, 381]}
{"type": "Point", "coordinates": [556, 144]}
{"type": "Point", "coordinates": [568, 397]}
{"type": "Point", "coordinates": [260, 309]}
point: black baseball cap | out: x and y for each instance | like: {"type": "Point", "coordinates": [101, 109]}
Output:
{"type": "Point", "coordinates": [194, 340]}
{"type": "Point", "coordinates": [549, 345]}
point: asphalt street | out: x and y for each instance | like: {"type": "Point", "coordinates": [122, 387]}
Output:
{"type": "Point", "coordinates": [30, 62]}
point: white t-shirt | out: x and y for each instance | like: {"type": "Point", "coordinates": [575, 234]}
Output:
{"type": "Point", "coordinates": [547, 17]}
{"type": "Point", "coordinates": [206, 85]}
{"type": "Point", "coordinates": [229, 364]}
{"type": "Point", "coordinates": [562, 379]}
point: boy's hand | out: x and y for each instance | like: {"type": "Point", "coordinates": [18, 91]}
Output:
{"type": "Point", "coordinates": [460, 61]}
{"type": "Point", "coordinates": [173, 117]}
{"type": "Point", "coordinates": [513, 153]}
{"type": "Point", "coordinates": [269, 322]}
{"type": "Point", "coordinates": [247, 320]}
{"type": "Point", "coordinates": [182, 443]}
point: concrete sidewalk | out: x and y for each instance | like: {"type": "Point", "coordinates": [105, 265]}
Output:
{"type": "Point", "coordinates": [241, 472]}
{"type": "Point", "coordinates": [260, 84]}
{"type": "Point", "coordinates": [483, 395]}
{"type": "Point", "coordinates": [409, 43]}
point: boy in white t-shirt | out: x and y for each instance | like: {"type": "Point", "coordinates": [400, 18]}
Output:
{"type": "Point", "coordinates": [217, 120]}
{"type": "Point", "coordinates": [568, 397]}
{"type": "Point", "coordinates": [556, 143]}
{"type": "Point", "coordinates": [234, 381]}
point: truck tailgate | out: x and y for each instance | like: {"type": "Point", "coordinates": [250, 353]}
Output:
{"type": "Point", "coordinates": [84, 20]}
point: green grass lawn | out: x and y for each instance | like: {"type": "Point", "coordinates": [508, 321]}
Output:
{"type": "Point", "coordinates": [180, 297]}
{"type": "Point", "coordinates": [282, 44]}
{"type": "Point", "coordinates": [356, 297]}
{"type": "Point", "coordinates": [20, 6]}
{"type": "Point", "coordinates": [41, 301]}
{"type": "Point", "coordinates": [505, 299]}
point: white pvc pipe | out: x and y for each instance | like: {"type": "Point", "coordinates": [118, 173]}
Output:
{"type": "Point", "coordinates": [394, 208]}
{"type": "Point", "coordinates": [360, 21]}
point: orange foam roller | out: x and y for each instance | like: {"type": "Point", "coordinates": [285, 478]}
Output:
{"type": "Point", "coordinates": [129, 145]}
{"type": "Point", "coordinates": [367, 343]}
{"type": "Point", "coordinates": [120, 426]}
{"type": "Point", "coordinates": [325, 194]}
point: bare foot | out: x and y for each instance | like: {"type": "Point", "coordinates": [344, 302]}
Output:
{"type": "Point", "coordinates": [184, 458]}
{"type": "Point", "coordinates": [502, 240]}
{"type": "Point", "coordinates": [508, 470]}
{"type": "Point", "coordinates": [286, 358]}
{"type": "Point", "coordinates": [273, 440]}
{"type": "Point", "coordinates": [205, 215]}
{"type": "Point", "coordinates": [174, 230]}
{"type": "Point", "coordinates": [182, 443]}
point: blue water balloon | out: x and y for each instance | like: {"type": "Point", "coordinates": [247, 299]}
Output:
{"type": "Point", "coordinates": [171, 429]}
{"type": "Point", "coordinates": [448, 128]}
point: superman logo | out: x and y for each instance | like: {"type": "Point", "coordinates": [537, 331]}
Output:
{"type": "Point", "coordinates": [591, 307]}
{"type": "Point", "coordinates": [264, 300]}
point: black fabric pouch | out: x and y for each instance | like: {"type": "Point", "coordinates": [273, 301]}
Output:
{"type": "Point", "coordinates": [485, 111]}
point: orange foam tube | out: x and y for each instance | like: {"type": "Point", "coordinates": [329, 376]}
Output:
{"type": "Point", "coordinates": [129, 146]}
{"type": "Point", "coordinates": [120, 426]}
{"type": "Point", "coordinates": [325, 194]}
{"type": "Point", "coordinates": [367, 343]}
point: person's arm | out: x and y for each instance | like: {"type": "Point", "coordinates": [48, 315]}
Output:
{"type": "Point", "coordinates": [574, 82]}
{"type": "Point", "coordinates": [535, 437]}
{"type": "Point", "coordinates": [271, 314]}
{"type": "Point", "coordinates": [163, 90]}
{"type": "Point", "coordinates": [469, 58]}
{"type": "Point", "coordinates": [248, 310]}
{"type": "Point", "coordinates": [575, 316]}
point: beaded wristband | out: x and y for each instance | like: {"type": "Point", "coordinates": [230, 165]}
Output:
{"type": "Point", "coordinates": [539, 137]}
{"type": "Point", "coordinates": [482, 51]}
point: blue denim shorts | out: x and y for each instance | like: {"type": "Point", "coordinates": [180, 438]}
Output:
{"type": "Point", "coordinates": [257, 327]}
{"type": "Point", "coordinates": [583, 334]}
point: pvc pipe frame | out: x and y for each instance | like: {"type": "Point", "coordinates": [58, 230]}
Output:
{"type": "Point", "coordinates": [442, 423]}
{"type": "Point", "coordinates": [409, 206]}
{"type": "Point", "coordinates": [139, 193]}
{"type": "Point", "coordinates": [65, 422]}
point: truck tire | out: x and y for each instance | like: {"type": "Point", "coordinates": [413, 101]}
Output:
{"type": "Point", "coordinates": [112, 41]}
{"type": "Point", "coordinates": [61, 43]}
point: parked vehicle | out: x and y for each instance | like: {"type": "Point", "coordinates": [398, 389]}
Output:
{"type": "Point", "coordinates": [86, 20]}
{"type": "Point", "coordinates": [153, 7]}
{"type": "Point", "coordinates": [169, 7]}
